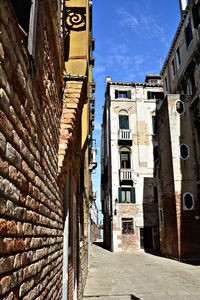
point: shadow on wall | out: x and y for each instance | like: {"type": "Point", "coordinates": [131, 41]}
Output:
{"type": "Point", "coordinates": [149, 234]}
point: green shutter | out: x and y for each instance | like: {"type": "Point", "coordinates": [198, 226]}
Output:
{"type": "Point", "coordinates": [129, 94]}
{"type": "Point", "coordinates": [133, 198]}
{"type": "Point", "coordinates": [116, 94]}
{"type": "Point", "coordinates": [123, 122]}
{"type": "Point", "coordinates": [119, 195]}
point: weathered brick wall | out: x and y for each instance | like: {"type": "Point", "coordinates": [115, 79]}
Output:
{"type": "Point", "coordinates": [31, 200]}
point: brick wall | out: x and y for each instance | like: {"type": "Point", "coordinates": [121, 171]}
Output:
{"type": "Point", "coordinates": [31, 201]}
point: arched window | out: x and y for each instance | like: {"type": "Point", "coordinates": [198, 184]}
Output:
{"type": "Point", "coordinates": [125, 158]}
{"type": "Point", "coordinates": [188, 201]}
{"type": "Point", "coordinates": [184, 151]}
{"type": "Point", "coordinates": [180, 107]}
{"type": "Point", "coordinates": [123, 119]}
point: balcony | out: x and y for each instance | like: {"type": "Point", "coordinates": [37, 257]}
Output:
{"type": "Point", "coordinates": [126, 175]}
{"type": "Point", "coordinates": [125, 137]}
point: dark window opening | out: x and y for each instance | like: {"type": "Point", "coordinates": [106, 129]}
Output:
{"type": "Point", "coordinates": [180, 107]}
{"type": "Point", "coordinates": [184, 151]}
{"type": "Point", "coordinates": [161, 215]}
{"type": "Point", "coordinates": [127, 226]}
{"type": "Point", "coordinates": [26, 12]}
{"type": "Point", "coordinates": [155, 95]}
{"type": "Point", "coordinates": [188, 34]}
{"type": "Point", "coordinates": [154, 124]}
{"type": "Point", "coordinates": [166, 83]}
{"type": "Point", "coordinates": [122, 94]}
{"type": "Point", "coordinates": [173, 68]}
{"type": "Point", "coordinates": [22, 10]}
{"type": "Point", "coordinates": [123, 122]}
{"type": "Point", "coordinates": [188, 200]}
{"type": "Point", "coordinates": [125, 160]}
{"type": "Point", "coordinates": [155, 192]}
{"type": "Point", "coordinates": [196, 15]}
{"type": "Point", "coordinates": [155, 153]}
{"type": "Point", "coordinates": [178, 57]}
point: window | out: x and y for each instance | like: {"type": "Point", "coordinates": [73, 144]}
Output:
{"type": "Point", "coordinates": [155, 153]}
{"type": "Point", "coordinates": [173, 70]}
{"type": "Point", "coordinates": [155, 95]}
{"type": "Point", "coordinates": [166, 84]}
{"type": "Point", "coordinates": [122, 94]}
{"type": "Point", "coordinates": [26, 12]}
{"type": "Point", "coordinates": [125, 161]}
{"type": "Point", "coordinates": [188, 34]}
{"type": "Point", "coordinates": [178, 57]}
{"type": "Point", "coordinates": [180, 107]}
{"type": "Point", "coordinates": [126, 195]}
{"type": "Point", "coordinates": [188, 201]}
{"type": "Point", "coordinates": [155, 192]}
{"type": "Point", "coordinates": [196, 15]}
{"type": "Point", "coordinates": [161, 215]}
{"type": "Point", "coordinates": [154, 124]}
{"type": "Point", "coordinates": [127, 226]}
{"type": "Point", "coordinates": [184, 151]}
{"type": "Point", "coordinates": [123, 122]}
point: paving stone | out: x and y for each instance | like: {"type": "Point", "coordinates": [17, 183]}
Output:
{"type": "Point", "coordinates": [142, 276]}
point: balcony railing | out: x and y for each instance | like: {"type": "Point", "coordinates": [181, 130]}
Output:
{"type": "Point", "coordinates": [125, 134]}
{"type": "Point", "coordinates": [126, 174]}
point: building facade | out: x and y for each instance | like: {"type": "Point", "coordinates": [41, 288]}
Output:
{"type": "Point", "coordinates": [128, 191]}
{"type": "Point", "coordinates": [46, 123]}
{"type": "Point", "coordinates": [177, 169]}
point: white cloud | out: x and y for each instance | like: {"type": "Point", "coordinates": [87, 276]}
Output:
{"type": "Point", "coordinates": [144, 26]}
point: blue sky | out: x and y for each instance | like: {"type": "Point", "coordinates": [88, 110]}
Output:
{"type": "Point", "coordinates": [132, 40]}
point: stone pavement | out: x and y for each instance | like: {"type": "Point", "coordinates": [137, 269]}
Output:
{"type": "Point", "coordinates": [140, 276]}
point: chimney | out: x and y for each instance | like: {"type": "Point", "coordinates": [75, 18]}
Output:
{"type": "Point", "coordinates": [183, 4]}
{"type": "Point", "coordinates": [108, 78]}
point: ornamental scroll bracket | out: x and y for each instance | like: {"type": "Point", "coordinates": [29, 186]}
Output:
{"type": "Point", "coordinates": [75, 19]}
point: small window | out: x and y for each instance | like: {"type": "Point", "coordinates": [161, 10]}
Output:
{"type": "Point", "coordinates": [127, 226]}
{"type": "Point", "coordinates": [188, 34]}
{"type": "Point", "coordinates": [122, 94]}
{"type": "Point", "coordinates": [155, 153]}
{"type": "Point", "coordinates": [173, 68]}
{"type": "Point", "coordinates": [154, 124]}
{"type": "Point", "coordinates": [188, 201]}
{"type": "Point", "coordinates": [126, 195]}
{"type": "Point", "coordinates": [178, 57]}
{"type": "Point", "coordinates": [166, 83]}
{"type": "Point", "coordinates": [184, 151]}
{"type": "Point", "coordinates": [161, 215]}
{"type": "Point", "coordinates": [180, 107]}
{"type": "Point", "coordinates": [155, 192]}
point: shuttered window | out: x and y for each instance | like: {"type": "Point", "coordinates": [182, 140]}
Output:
{"type": "Point", "coordinates": [123, 122]}
{"type": "Point", "coordinates": [126, 195]}
{"type": "Point", "coordinates": [122, 94]}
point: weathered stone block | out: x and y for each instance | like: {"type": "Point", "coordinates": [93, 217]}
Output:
{"type": "Point", "coordinates": [6, 264]}
{"type": "Point", "coordinates": [13, 156]}
{"type": "Point", "coordinates": [5, 284]}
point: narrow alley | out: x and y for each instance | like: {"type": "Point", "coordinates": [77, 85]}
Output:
{"type": "Point", "coordinates": [114, 276]}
